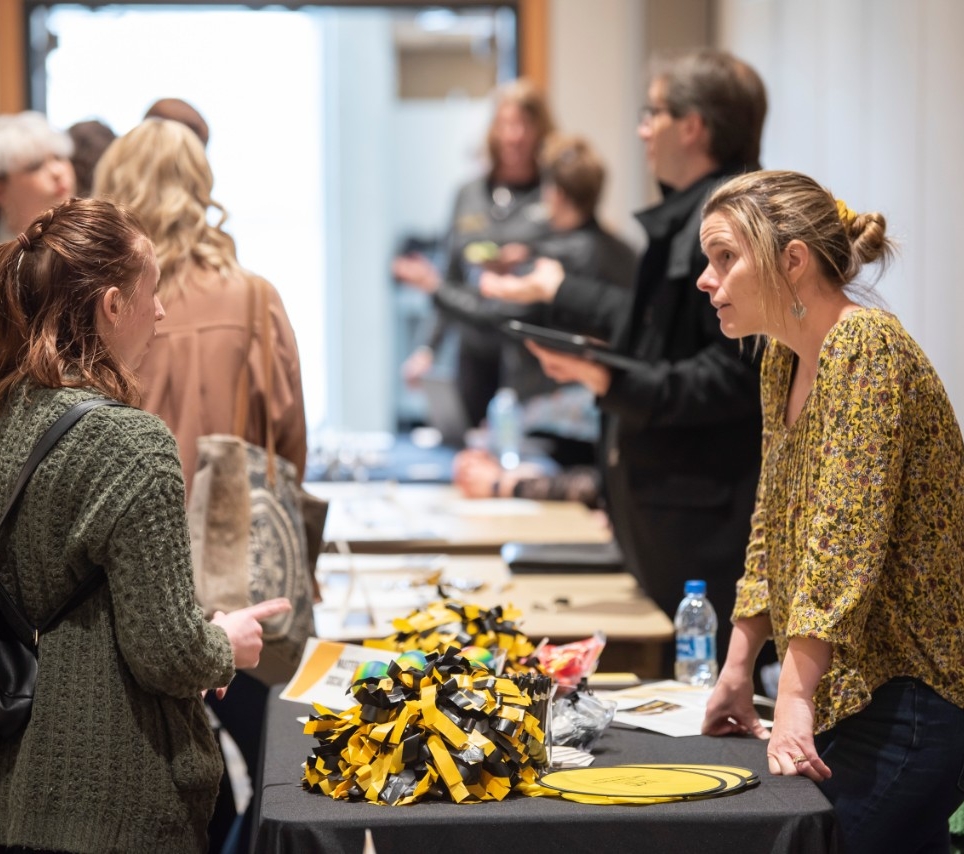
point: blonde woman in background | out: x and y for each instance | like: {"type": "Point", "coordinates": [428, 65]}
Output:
{"type": "Point", "coordinates": [192, 371]}
{"type": "Point", "coordinates": [35, 170]}
{"type": "Point", "coordinates": [502, 206]}
{"type": "Point", "coordinates": [191, 374]}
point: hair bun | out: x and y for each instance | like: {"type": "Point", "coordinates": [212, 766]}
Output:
{"type": "Point", "coordinates": [868, 235]}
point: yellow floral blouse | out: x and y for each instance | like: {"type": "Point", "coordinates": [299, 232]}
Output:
{"type": "Point", "coordinates": [858, 532]}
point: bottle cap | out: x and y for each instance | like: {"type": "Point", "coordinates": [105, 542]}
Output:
{"type": "Point", "coordinates": [694, 586]}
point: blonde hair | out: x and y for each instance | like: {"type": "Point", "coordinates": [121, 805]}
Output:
{"type": "Point", "coordinates": [768, 209]}
{"type": "Point", "coordinates": [533, 105]}
{"type": "Point", "coordinates": [160, 170]}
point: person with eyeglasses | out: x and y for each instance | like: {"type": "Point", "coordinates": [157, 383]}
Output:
{"type": "Point", "coordinates": [680, 503]}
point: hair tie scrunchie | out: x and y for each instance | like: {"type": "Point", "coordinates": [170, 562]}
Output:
{"type": "Point", "coordinates": [847, 216]}
{"type": "Point", "coordinates": [24, 241]}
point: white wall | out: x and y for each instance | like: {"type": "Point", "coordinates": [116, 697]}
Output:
{"type": "Point", "coordinates": [392, 169]}
{"type": "Point", "coordinates": [358, 80]}
{"type": "Point", "coordinates": [597, 86]}
{"type": "Point", "coordinates": [435, 146]}
{"type": "Point", "coordinates": [865, 97]}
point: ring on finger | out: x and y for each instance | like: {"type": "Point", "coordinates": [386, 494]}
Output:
{"type": "Point", "coordinates": [797, 760]}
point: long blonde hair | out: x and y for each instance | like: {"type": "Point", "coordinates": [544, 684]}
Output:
{"type": "Point", "coordinates": [160, 170]}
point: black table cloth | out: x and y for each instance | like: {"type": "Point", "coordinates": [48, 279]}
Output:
{"type": "Point", "coordinates": [782, 814]}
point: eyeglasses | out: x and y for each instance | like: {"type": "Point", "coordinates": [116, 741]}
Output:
{"type": "Point", "coordinates": [648, 112]}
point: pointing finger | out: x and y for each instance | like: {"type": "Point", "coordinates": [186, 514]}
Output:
{"type": "Point", "coordinates": [269, 608]}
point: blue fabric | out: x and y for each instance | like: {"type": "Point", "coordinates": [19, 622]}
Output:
{"type": "Point", "coordinates": [898, 770]}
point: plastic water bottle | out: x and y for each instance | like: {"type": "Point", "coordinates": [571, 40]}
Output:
{"type": "Point", "coordinates": [696, 637]}
{"type": "Point", "coordinates": [504, 417]}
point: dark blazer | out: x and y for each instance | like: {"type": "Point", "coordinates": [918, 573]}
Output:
{"type": "Point", "coordinates": [681, 440]}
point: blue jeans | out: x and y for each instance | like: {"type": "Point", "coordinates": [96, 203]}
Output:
{"type": "Point", "coordinates": [898, 770]}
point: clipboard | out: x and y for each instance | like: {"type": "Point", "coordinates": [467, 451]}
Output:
{"type": "Point", "coordinates": [568, 342]}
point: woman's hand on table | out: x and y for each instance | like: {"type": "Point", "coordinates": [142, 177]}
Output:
{"type": "Point", "coordinates": [477, 474]}
{"type": "Point", "coordinates": [791, 750]}
{"type": "Point", "coordinates": [730, 709]}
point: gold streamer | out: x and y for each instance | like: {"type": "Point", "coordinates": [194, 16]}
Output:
{"type": "Point", "coordinates": [437, 723]}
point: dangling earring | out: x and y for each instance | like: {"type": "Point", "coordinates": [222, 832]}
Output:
{"type": "Point", "coordinates": [797, 308]}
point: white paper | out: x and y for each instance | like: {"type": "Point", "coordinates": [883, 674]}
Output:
{"type": "Point", "coordinates": [326, 671]}
{"type": "Point", "coordinates": [668, 707]}
{"type": "Point", "coordinates": [494, 507]}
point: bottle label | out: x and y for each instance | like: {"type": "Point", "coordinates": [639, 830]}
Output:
{"type": "Point", "coordinates": [696, 648]}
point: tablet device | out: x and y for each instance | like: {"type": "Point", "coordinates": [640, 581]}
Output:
{"type": "Point", "coordinates": [568, 342]}
{"type": "Point", "coordinates": [531, 558]}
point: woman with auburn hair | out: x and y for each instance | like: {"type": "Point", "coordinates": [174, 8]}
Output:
{"type": "Point", "coordinates": [856, 558]}
{"type": "Point", "coordinates": [503, 206]}
{"type": "Point", "coordinates": [190, 377]}
{"type": "Point", "coordinates": [117, 750]}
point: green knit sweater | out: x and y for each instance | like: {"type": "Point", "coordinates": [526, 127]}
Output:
{"type": "Point", "coordinates": [118, 754]}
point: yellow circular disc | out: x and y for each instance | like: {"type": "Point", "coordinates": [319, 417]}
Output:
{"type": "Point", "coordinates": [634, 781]}
{"type": "Point", "coordinates": [595, 799]}
{"type": "Point", "coordinates": [735, 777]}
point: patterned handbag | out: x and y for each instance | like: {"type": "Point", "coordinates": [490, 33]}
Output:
{"type": "Point", "coordinates": [249, 531]}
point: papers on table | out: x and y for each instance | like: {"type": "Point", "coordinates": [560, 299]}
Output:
{"type": "Point", "coordinates": [494, 507]}
{"type": "Point", "coordinates": [364, 593]}
{"type": "Point", "coordinates": [667, 707]}
{"type": "Point", "coordinates": [378, 517]}
{"type": "Point", "coordinates": [570, 757]}
{"type": "Point", "coordinates": [326, 672]}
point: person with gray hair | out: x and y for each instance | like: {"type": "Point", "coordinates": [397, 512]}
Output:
{"type": "Point", "coordinates": [35, 170]}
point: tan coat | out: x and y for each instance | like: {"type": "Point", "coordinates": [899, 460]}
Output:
{"type": "Point", "coordinates": [191, 372]}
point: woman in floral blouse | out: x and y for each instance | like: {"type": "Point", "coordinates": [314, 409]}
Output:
{"type": "Point", "coordinates": [856, 559]}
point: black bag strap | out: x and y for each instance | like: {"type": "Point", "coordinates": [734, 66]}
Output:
{"type": "Point", "coordinates": [28, 633]}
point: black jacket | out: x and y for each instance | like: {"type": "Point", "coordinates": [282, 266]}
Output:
{"type": "Point", "coordinates": [681, 442]}
{"type": "Point", "coordinates": [587, 251]}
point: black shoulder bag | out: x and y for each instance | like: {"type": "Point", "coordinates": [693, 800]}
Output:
{"type": "Point", "coordinates": [19, 638]}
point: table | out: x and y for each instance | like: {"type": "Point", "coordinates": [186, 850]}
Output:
{"type": "Point", "coordinates": [782, 814]}
{"type": "Point", "coordinates": [388, 517]}
{"type": "Point", "coordinates": [377, 455]}
{"type": "Point", "coordinates": [561, 607]}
